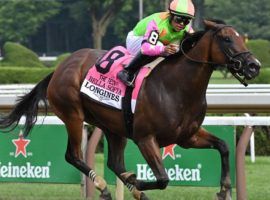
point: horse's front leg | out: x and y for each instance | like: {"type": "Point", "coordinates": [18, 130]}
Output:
{"type": "Point", "coordinates": [116, 146]}
{"type": "Point", "coordinates": [74, 155]}
{"type": "Point", "coordinates": [203, 139]}
{"type": "Point", "coordinates": [151, 153]}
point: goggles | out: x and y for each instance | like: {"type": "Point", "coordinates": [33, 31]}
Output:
{"type": "Point", "coordinates": [181, 20]}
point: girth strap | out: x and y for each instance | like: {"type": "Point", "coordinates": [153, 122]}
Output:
{"type": "Point", "coordinates": [127, 111]}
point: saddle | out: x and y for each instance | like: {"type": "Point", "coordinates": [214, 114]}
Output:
{"type": "Point", "coordinates": [102, 85]}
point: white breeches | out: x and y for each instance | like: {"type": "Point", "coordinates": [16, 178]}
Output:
{"type": "Point", "coordinates": [133, 43]}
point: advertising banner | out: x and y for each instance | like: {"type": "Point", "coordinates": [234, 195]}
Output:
{"type": "Point", "coordinates": [38, 158]}
{"type": "Point", "coordinates": [190, 167]}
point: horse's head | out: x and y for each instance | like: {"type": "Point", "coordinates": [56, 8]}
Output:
{"type": "Point", "coordinates": [229, 48]}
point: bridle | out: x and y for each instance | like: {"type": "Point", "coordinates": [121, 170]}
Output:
{"type": "Point", "coordinates": [235, 64]}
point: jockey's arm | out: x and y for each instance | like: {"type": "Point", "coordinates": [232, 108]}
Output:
{"type": "Point", "coordinates": [151, 45]}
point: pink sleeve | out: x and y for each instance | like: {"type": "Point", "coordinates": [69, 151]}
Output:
{"type": "Point", "coordinates": [151, 45]}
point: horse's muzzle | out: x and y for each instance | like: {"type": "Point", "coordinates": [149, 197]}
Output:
{"type": "Point", "coordinates": [251, 69]}
{"type": "Point", "coordinates": [245, 65]}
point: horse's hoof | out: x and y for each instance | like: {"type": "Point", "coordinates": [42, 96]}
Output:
{"type": "Point", "coordinates": [224, 195]}
{"type": "Point", "coordinates": [138, 195]}
{"type": "Point", "coordinates": [143, 197]}
{"type": "Point", "coordinates": [140, 185]}
{"type": "Point", "coordinates": [105, 195]}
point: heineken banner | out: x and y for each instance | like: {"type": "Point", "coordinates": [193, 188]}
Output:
{"type": "Point", "coordinates": [38, 158]}
{"type": "Point", "coordinates": [191, 167]}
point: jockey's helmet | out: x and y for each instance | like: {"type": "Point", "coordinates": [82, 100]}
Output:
{"type": "Point", "coordinates": [183, 8]}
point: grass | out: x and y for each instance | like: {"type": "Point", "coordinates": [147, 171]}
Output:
{"type": "Point", "coordinates": [258, 187]}
{"type": "Point", "coordinates": [217, 78]}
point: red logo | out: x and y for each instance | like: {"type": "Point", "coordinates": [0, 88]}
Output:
{"type": "Point", "coordinates": [169, 151]}
{"type": "Point", "coordinates": [21, 145]}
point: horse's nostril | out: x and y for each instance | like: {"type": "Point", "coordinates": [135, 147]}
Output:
{"type": "Point", "coordinates": [252, 69]}
{"type": "Point", "coordinates": [253, 66]}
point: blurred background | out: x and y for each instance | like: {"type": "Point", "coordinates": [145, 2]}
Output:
{"type": "Point", "coordinates": [52, 27]}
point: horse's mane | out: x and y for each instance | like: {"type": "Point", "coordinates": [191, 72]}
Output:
{"type": "Point", "coordinates": [191, 39]}
{"type": "Point", "coordinates": [217, 21]}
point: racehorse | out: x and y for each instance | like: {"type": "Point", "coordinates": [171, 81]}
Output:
{"type": "Point", "coordinates": [170, 109]}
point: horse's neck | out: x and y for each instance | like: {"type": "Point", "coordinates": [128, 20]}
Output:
{"type": "Point", "coordinates": [192, 75]}
{"type": "Point", "coordinates": [177, 79]}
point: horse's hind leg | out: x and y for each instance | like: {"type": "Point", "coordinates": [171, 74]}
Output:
{"type": "Point", "coordinates": [74, 156]}
{"type": "Point", "coordinates": [116, 163]}
{"type": "Point", "coordinates": [203, 139]}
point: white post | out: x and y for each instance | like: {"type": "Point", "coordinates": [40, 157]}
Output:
{"type": "Point", "coordinates": [90, 149]}
{"type": "Point", "coordinates": [252, 147]}
{"type": "Point", "coordinates": [84, 148]}
{"type": "Point", "coordinates": [119, 191]}
{"type": "Point", "coordinates": [251, 144]}
{"type": "Point", "coordinates": [241, 192]}
{"type": "Point", "coordinates": [140, 9]}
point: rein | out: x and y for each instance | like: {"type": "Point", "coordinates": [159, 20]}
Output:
{"type": "Point", "coordinates": [231, 56]}
{"type": "Point", "coordinates": [199, 61]}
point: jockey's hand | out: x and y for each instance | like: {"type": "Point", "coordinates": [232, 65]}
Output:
{"type": "Point", "coordinates": [171, 49]}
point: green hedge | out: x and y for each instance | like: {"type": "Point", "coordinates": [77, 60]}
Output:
{"type": "Point", "coordinates": [262, 143]}
{"type": "Point", "coordinates": [262, 140]}
{"type": "Point", "coordinates": [263, 78]}
{"type": "Point", "coordinates": [61, 58]}
{"type": "Point", "coordinates": [9, 75]}
{"type": "Point", "coordinates": [261, 49]}
{"type": "Point", "coordinates": [18, 55]}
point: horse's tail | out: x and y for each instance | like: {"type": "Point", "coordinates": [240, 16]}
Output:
{"type": "Point", "coordinates": [27, 105]}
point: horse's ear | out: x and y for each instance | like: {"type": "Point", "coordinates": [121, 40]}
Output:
{"type": "Point", "coordinates": [209, 24]}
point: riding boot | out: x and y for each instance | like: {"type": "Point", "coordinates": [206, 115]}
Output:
{"type": "Point", "coordinates": [127, 75]}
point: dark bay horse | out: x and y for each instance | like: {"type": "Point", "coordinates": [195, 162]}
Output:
{"type": "Point", "coordinates": [170, 108]}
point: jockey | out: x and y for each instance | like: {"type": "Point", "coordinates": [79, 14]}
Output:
{"type": "Point", "coordinates": [157, 35]}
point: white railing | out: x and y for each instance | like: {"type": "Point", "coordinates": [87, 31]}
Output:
{"type": "Point", "coordinates": [9, 94]}
{"type": "Point", "coordinates": [228, 98]}
{"type": "Point", "coordinates": [209, 120]}
{"type": "Point", "coordinates": [42, 58]}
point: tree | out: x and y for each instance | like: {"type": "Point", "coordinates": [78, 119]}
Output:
{"type": "Point", "coordinates": [22, 18]}
{"type": "Point", "coordinates": [115, 15]}
{"type": "Point", "coordinates": [199, 8]}
{"type": "Point", "coordinates": [102, 13]}
{"type": "Point", "coordinates": [247, 16]}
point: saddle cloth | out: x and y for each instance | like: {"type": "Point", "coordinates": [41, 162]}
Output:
{"type": "Point", "coordinates": [101, 82]}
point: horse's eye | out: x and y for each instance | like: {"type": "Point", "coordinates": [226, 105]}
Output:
{"type": "Point", "coordinates": [227, 39]}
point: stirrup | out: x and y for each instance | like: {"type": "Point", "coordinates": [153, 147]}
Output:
{"type": "Point", "coordinates": [124, 77]}
{"type": "Point", "coordinates": [130, 83]}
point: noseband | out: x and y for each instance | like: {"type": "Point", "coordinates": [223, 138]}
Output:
{"type": "Point", "coordinates": [234, 58]}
